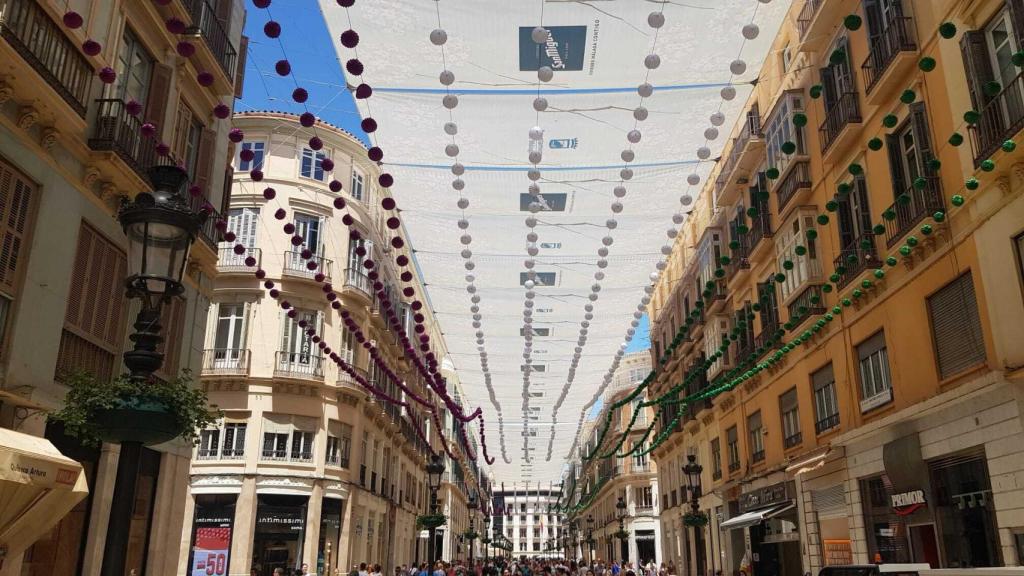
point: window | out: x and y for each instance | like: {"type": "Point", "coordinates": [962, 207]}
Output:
{"type": "Point", "coordinates": [209, 441]}
{"type": "Point", "coordinates": [339, 444]}
{"type": "Point", "coordinates": [640, 411]}
{"type": "Point", "coordinates": [275, 445]}
{"type": "Point", "coordinates": [298, 354]}
{"type": "Point", "coordinates": [536, 546]}
{"type": "Point", "coordinates": [134, 70]}
{"type": "Point", "coordinates": [855, 220]}
{"type": "Point", "coordinates": [17, 213]}
{"type": "Point", "coordinates": [540, 278]}
{"type": "Point", "coordinates": [826, 409]}
{"type": "Point", "coordinates": [806, 267]}
{"type": "Point", "coordinates": [837, 78]}
{"type": "Point", "coordinates": [716, 458]}
{"type": "Point", "coordinates": [257, 157]}
{"type": "Point", "coordinates": [1018, 243]}
{"type": "Point", "coordinates": [242, 222]}
{"type": "Point", "coordinates": [311, 165]}
{"type": "Point", "coordinates": [187, 133]}
{"type": "Point", "coordinates": [234, 441]}
{"type": "Point", "coordinates": [646, 497]}
{"type": "Point", "coordinates": [875, 382]}
{"type": "Point", "coordinates": [779, 129]}
{"type": "Point", "coordinates": [756, 431]}
{"type": "Point", "coordinates": [229, 340]}
{"type": "Point", "coordinates": [94, 320]}
{"type": "Point", "coordinates": [910, 150]}
{"type": "Point", "coordinates": [547, 202]}
{"type": "Point", "coordinates": [956, 327]}
{"type": "Point", "coordinates": [356, 190]}
{"type": "Point", "coordinates": [732, 440]}
{"type": "Point", "coordinates": [309, 227]}
{"type": "Point", "coordinates": [348, 345]}
{"type": "Point", "coordinates": [787, 57]}
{"type": "Point", "coordinates": [790, 419]}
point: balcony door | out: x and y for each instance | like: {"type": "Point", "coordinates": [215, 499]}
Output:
{"type": "Point", "coordinates": [241, 222]}
{"type": "Point", "coordinates": [297, 354]}
{"type": "Point", "coordinates": [837, 77]}
{"type": "Point", "coordinates": [1002, 45]}
{"type": "Point", "coordinates": [229, 342]}
{"type": "Point", "coordinates": [854, 214]}
{"type": "Point", "coordinates": [134, 70]}
{"type": "Point", "coordinates": [309, 227]}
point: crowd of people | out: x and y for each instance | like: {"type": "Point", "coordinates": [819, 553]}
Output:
{"type": "Point", "coordinates": [523, 566]}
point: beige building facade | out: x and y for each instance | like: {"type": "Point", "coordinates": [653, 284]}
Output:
{"type": "Point", "coordinates": [71, 149]}
{"type": "Point", "coordinates": [307, 466]}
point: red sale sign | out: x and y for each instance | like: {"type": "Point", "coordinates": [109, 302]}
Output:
{"type": "Point", "coordinates": [210, 552]}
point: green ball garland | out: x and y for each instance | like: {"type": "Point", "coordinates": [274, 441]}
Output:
{"type": "Point", "coordinates": [787, 265]}
{"type": "Point", "coordinates": [905, 250]}
{"type": "Point", "coordinates": [926, 64]}
{"type": "Point", "coordinates": [831, 205]}
{"type": "Point", "coordinates": [926, 229]}
{"type": "Point", "coordinates": [837, 56]}
{"type": "Point", "coordinates": [972, 116]}
{"type": "Point", "coordinates": [879, 273]}
{"type": "Point", "coordinates": [788, 147]}
{"type": "Point", "coordinates": [812, 234]}
{"type": "Point", "coordinates": [822, 219]}
{"type": "Point", "coordinates": [855, 169]}
{"type": "Point", "coordinates": [908, 96]}
{"type": "Point", "coordinates": [890, 121]}
{"type": "Point", "coordinates": [875, 144]}
{"type": "Point", "coordinates": [852, 22]}
{"type": "Point", "coordinates": [972, 184]}
{"type": "Point", "coordinates": [843, 189]}
{"type": "Point", "coordinates": [1017, 59]}
{"type": "Point", "coordinates": [780, 277]}
{"type": "Point", "coordinates": [891, 261]}
{"type": "Point", "coordinates": [878, 229]}
{"type": "Point", "coordinates": [920, 183]}
{"type": "Point", "coordinates": [947, 30]}
{"type": "Point", "coordinates": [992, 88]}
{"type": "Point", "coordinates": [1009, 146]}
{"type": "Point", "coordinates": [815, 91]}
{"type": "Point", "coordinates": [889, 215]}
{"type": "Point", "coordinates": [956, 139]}
{"type": "Point", "coordinates": [799, 119]}
{"type": "Point", "coordinates": [987, 165]}
{"type": "Point", "coordinates": [939, 216]}
{"type": "Point", "coordinates": [800, 250]}
{"type": "Point", "coordinates": [772, 173]}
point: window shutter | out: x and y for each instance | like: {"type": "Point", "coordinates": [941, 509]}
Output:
{"type": "Point", "coordinates": [787, 402]}
{"type": "Point", "coordinates": [956, 327]}
{"type": "Point", "coordinates": [873, 14]}
{"type": "Point", "coordinates": [861, 208]}
{"type": "Point", "coordinates": [96, 298]}
{"type": "Point", "coordinates": [172, 317]}
{"type": "Point", "coordinates": [871, 345]}
{"type": "Point", "coordinates": [977, 67]}
{"type": "Point", "coordinates": [828, 82]}
{"type": "Point", "coordinates": [899, 181]}
{"type": "Point", "coordinates": [822, 377]}
{"type": "Point", "coordinates": [17, 206]}
{"type": "Point", "coordinates": [922, 136]}
{"type": "Point", "coordinates": [847, 234]}
{"type": "Point", "coordinates": [243, 53]}
{"type": "Point", "coordinates": [1017, 17]}
{"type": "Point", "coordinates": [224, 9]}
{"type": "Point", "coordinates": [204, 166]}
{"type": "Point", "coordinates": [159, 96]}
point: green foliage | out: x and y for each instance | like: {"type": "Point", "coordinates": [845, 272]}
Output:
{"type": "Point", "coordinates": [88, 396]}
{"type": "Point", "coordinates": [430, 520]}
{"type": "Point", "coordinates": [696, 519]}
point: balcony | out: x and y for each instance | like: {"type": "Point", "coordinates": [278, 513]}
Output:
{"type": "Point", "coordinates": [760, 226]}
{"type": "Point", "coordinates": [757, 456]}
{"type": "Point", "coordinates": [817, 21]}
{"type": "Point", "coordinates": [734, 466]}
{"type": "Point", "coordinates": [41, 42]}
{"type": "Point", "coordinates": [919, 204]}
{"type": "Point", "coordinates": [296, 265]}
{"type": "Point", "coordinates": [1000, 120]}
{"type": "Point", "coordinates": [796, 179]}
{"type": "Point", "coordinates": [117, 131]}
{"type": "Point", "coordinates": [225, 361]}
{"type": "Point", "coordinates": [890, 56]}
{"type": "Point", "coordinates": [299, 365]}
{"type": "Point", "coordinates": [810, 302]}
{"type": "Point", "coordinates": [284, 456]}
{"type": "Point", "coordinates": [358, 282]}
{"type": "Point", "coordinates": [826, 423]}
{"type": "Point", "coordinates": [229, 262]}
{"type": "Point", "coordinates": [207, 454]}
{"type": "Point", "coordinates": [225, 454]}
{"type": "Point", "coordinates": [232, 454]}
{"type": "Point", "coordinates": [738, 258]}
{"type": "Point", "coordinates": [743, 156]}
{"type": "Point", "coordinates": [206, 24]}
{"type": "Point", "coordinates": [855, 258]}
{"type": "Point", "coordinates": [770, 325]}
{"type": "Point", "coordinates": [843, 112]}
{"type": "Point", "coordinates": [792, 440]}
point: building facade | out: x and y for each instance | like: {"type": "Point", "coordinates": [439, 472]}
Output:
{"type": "Point", "coordinates": [307, 467]}
{"type": "Point", "coordinates": [632, 478]}
{"type": "Point", "coordinates": [528, 519]}
{"type": "Point", "coordinates": [849, 284]}
{"type": "Point", "coordinates": [72, 148]}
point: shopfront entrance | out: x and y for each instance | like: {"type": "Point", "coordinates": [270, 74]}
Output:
{"type": "Point", "coordinates": [769, 515]}
{"type": "Point", "coordinates": [280, 531]}
{"type": "Point", "coordinates": [645, 549]}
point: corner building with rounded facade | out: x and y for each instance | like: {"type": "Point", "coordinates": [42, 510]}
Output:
{"type": "Point", "coordinates": [306, 467]}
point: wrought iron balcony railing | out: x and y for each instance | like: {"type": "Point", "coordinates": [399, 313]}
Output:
{"type": "Point", "coordinates": [296, 265]}
{"type": "Point", "coordinates": [299, 365]}
{"type": "Point", "coordinates": [845, 110]}
{"type": "Point", "coordinates": [115, 130]}
{"type": "Point", "coordinates": [206, 24]}
{"type": "Point", "coordinates": [897, 37]}
{"type": "Point", "coordinates": [225, 361]}
{"type": "Point", "coordinates": [855, 258]}
{"type": "Point", "coordinates": [229, 261]}
{"type": "Point", "coordinates": [999, 120]}
{"type": "Point", "coordinates": [912, 207]}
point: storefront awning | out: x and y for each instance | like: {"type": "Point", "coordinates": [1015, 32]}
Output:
{"type": "Point", "coordinates": [38, 486]}
{"type": "Point", "coordinates": [755, 516]}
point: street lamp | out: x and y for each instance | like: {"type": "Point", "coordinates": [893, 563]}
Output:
{"type": "Point", "coordinates": [435, 469]}
{"type": "Point", "coordinates": [692, 470]}
{"type": "Point", "coordinates": [160, 227]}
{"type": "Point", "coordinates": [487, 536]}
{"type": "Point", "coordinates": [620, 513]}
{"type": "Point", "coordinates": [590, 538]}
{"type": "Point", "coordinates": [473, 505]}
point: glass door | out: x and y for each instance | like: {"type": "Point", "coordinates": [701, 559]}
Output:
{"type": "Point", "coordinates": [229, 341]}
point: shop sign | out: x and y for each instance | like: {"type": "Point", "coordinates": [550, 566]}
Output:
{"type": "Point", "coordinates": [212, 542]}
{"type": "Point", "coordinates": [782, 537]}
{"type": "Point", "coordinates": [277, 519]}
{"type": "Point", "coordinates": [768, 496]}
{"type": "Point", "coordinates": [906, 503]}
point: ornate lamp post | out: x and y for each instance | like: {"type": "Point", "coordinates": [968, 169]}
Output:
{"type": "Point", "coordinates": [160, 227]}
{"type": "Point", "coordinates": [435, 469]}
{"type": "Point", "coordinates": [486, 540]}
{"type": "Point", "coordinates": [693, 470]}
{"type": "Point", "coordinates": [590, 538]}
{"type": "Point", "coordinates": [473, 505]}
{"type": "Point", "coordinates": [620, 513]}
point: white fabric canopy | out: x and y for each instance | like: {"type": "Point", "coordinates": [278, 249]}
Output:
{"type": "Point", "coordinates": [597, 51]}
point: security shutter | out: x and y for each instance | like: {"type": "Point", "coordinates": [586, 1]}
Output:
{"type": "Point", "coordinates": [956, 327]}
{"type": "Point", "coordinates": [829, 502]}
{"type": "Point", "coordinates": [243, 53]}
{"type": "Point", "coordinates": [204, 164]}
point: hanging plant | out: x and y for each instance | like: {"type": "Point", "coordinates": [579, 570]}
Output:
{"type": "Point", "coordinates": [470, 535]}
{"type": "Point", "coordinates": [622, 534]}
{"type": "Point", "coordinates": [127, 409]}
{"type": "Point", "coordinates": [430, 520]}
{"type": "Point", "coordinates": [695, 519]}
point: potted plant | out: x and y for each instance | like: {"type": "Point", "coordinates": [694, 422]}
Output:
{"type": "Point", "coordinates": [696, 519]}
{"type": "Point", "coordinates": [126, 409]}
{"type": "Point", "coordinates": [470, 535]}
{"type": "Point", "coordinates": [621, 534]}
{"type": "Point", "coordinates": [431, 520]}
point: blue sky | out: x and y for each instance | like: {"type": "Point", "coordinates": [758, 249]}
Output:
{"type": "Point", "coordinates": [309, 49]}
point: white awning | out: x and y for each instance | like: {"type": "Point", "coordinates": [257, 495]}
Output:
{"type": "Point", "coordinates": [38, 486]}
{"type": "Point", "coordinates": [755, 517]}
